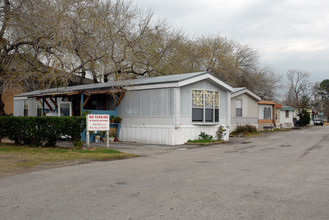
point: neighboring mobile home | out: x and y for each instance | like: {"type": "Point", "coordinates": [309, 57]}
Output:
{"type": "Point", "coordinates": [158, 110]}
{"type": "Point", "coordinates": [244, 108]}
{"type": "Point", "coordinates": [266, 117]}
{"type": "Point", "coordinates": [285, 116]}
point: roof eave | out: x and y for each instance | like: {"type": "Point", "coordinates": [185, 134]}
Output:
{"type": "Point", "coordinates": [246, 91]}
{"type": "Point", "coordinates": [204, 76]}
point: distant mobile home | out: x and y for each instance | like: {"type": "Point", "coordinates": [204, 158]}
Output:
{"type": "Point", "coordinates": [284, 116]}
{"type": "Point", "coordinates": [244, 108]}
{"type": "Point", "coordinates": [267, 115]}
{"type": "Point", "coordinates": [157, 110]}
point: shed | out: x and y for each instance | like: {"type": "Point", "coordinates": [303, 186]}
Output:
{"type": "Point", "coordinates": [244, 107]}
{"type": "Point", "coordinates": [157, 110]}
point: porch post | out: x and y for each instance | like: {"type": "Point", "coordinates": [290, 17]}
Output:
{"type": "Point", "coordinates": [43, 107]}
{"type": "Point", "coordinates": [81, 104]}
{"type": "Point", "coordinates": [55, 105]}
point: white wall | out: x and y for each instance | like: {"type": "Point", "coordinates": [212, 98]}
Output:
{"type": "Point", "coordinates": [19, 106]}
{"type": "Point", "coordinates": [286, 122]}
{"type": "Point", "coordinates": [166, 135]}
{"type": "Point", "coordinates": [151, 102]}
{"type": "Point", "coordinates": [164, 116]}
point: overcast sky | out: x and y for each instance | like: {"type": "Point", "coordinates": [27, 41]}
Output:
{"type": "Point", "coordinates": [287, 34]}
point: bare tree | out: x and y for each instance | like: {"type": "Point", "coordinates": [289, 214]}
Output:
{"type": "Point", "coordinates": [236, 64]}
{"type": "Point", "coordinates": [44, 42]}
{"type": "Point", "coordinates": [298, 86]}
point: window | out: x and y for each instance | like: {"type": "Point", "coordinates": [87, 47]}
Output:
{"type": "Point", "coordinates": [205, 106]}
{"type": "Point", "coordinates": [238, 108]}
{"type": "Point", "coordinates": [26, 108]}
{"type": "Point", "coordinates": [287, 114]}
{"type": "Point", "coordinates": [267, 113]}
{"type": "Point", "coordinates": [65, 109]}
{"type": "Point", "coordinates": [39, 109]}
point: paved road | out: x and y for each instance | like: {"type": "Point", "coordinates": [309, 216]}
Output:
{"type": "Point", "coordinates": [282, 175]}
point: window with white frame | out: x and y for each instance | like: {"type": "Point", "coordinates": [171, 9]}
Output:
{"type": "Point", "coordinates": [65, 109]}
{"type": "Point", "coordinates": [238, 108]}
{"type": "Point", "coordinates": [205, 106]}
{"type": "Point", "coordinates": [26, 108]}
{"type": "Point", "coordinates": [267, 113]}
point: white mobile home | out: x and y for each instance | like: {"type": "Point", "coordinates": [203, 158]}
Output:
{"type": "Point", "coordinates": [158, 110]}
{"type": "Point", "coordinates": [285, 117]}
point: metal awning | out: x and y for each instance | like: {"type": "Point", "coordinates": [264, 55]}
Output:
{"type": "Point", "coordinates": [70, 93]}
{"type": "Point", "coordinates": [51, 95]}
{"type": "Point", "coordinates": [54, 94]}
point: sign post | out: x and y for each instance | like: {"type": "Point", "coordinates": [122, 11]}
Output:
{"type": "Point", "coordinates": [97, 122]}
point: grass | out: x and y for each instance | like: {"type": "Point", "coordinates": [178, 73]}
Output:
{"type": "Point", "coordinates": [18, 159]}
{"type": "Point", "coordinates": [204, 142]}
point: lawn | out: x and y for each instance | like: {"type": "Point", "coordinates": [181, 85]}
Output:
{"type": "Point", "coordinates": [19, 159]}
{"type": "Point", "coordinates": [204, 142]}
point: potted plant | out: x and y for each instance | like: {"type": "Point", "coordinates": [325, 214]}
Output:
{"type": "Point", "coordinates": [117, 119]}
{"type": "Point", "coordinates": [112, 118]}
{"type": "Point", "coordinates": [103, 136]}
{"type": "Point", "coordinates": [111, 137]}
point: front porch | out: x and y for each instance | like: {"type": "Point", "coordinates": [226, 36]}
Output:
{"type": "Point", "coordinates": [81, 103]}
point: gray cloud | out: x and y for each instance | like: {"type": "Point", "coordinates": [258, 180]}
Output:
{"type": "Point", "coordinates": [287, 34]}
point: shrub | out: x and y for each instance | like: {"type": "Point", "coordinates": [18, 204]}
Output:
{"type": "Point", "coordinates": [221, 132]}
{"type": "Point", "coordinates": [3, 126]}
{"type": "Point", "coordinates": [304, 118]}
{"type": "Point", "coordinates": [242, 129]}
{"type": "Point", "coordinates": [204, 136]}
{"type": "Point", "coordinates": [78, 144]}
{"type": "Point", "coordinates": [117, 119]}
{"type": "Point", "coordinates": [36, 131]}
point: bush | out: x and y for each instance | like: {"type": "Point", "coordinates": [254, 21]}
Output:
{"type": "Point", "coordinates": [117, 119]}
{"type": "Point", "coordinates": [3, 126]}
{"type": "Point", "coordinates": [243, 129]}
{"type": "Point", "coordinates": [78, 144]}
{"type": "Point", "coordinates": [36, 131]}
{"type": "Point", "coordinates": [221, 132]}
{"type": "Point", "coordinates": [204, 136]}
{"type": "Point", "coordinates": [304, 118]}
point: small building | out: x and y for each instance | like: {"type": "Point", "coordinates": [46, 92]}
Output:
{"type": "Point", "coordinates": [267, 115]}
{"type": "Point", "coordinates": [244, 108]}
{"type": "Point", "coordinates": [284, 116]}
{"type": "Point", "coordinates": [157, 110]}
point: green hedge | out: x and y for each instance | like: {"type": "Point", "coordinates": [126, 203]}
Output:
{"type": "Point", "coordinates": [37, 131]}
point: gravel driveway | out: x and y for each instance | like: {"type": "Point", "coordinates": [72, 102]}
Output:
{"type": "Point", "coordinates": [281, 175]}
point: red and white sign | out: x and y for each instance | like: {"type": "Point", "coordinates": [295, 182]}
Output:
{"type": "Point", "coordinates": [98, 122]}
